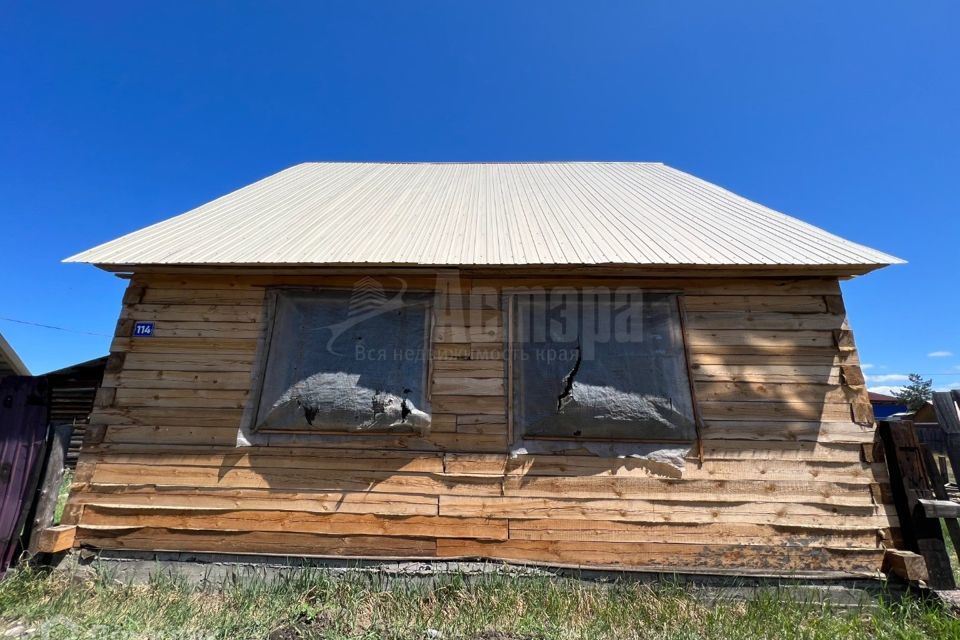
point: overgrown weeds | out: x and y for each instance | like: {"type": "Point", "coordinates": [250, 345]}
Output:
{"type": "Point", "coordinates": [315, 604]}
{"type": "Point", "coordinates": [62, 494]}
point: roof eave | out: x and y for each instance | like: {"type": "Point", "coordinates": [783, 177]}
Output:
{"type": "Point", "coordinates": [8, 355]}
{"type": "Point", "coordinates": [705, 270]}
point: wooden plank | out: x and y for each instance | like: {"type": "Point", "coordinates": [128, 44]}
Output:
{"type": "Point", "coordinates": [455, 386]}
{"type": "Point", "coordinates": [339, 524]}
{"type": "Point", "coordinates": [684, 490]}
{"type": "Point", "coordinates": [466, 441]}
{"type": "Point", "coordinates": [203, 329]}
{"type": "Point", "coordinates": [945, 407]}
{"type": "Point", "coordinates": [476, 463]}
{"type": "Point", "coordinates": [946, 410]}
{"type": "Point", "coordinates": [442, 352]}
{"type": "Point", "coordinates": [672, 555]}
{"type": "Point", "coordinates": [862, 410]}
{"type": "Point", "coordinates": [470, 404]}
{"type": "Point", "coordinates": [827, 374]}
{"type": "Point", "coordinates": [908, 484]}
{"type": "Point", "coordinates": [818, 358]}
{"type": "Point", "coordinates": [941, 508]}
{"type": "Point", "coordinates": [182, 398]}
{"type": "Point", "coordinates": [313, 501]}
{"type": "Point", "coordinates": [147, 424]}
{"type": "Point", "coordinates": [481, 424]}
{"type": "Point", "coordinates": [776, 411]}
{"type": "Point", "coordinates": [774, 392]}
{"type": "Point", "coordinates": [299, 544]}
{"type": "Point", "coordinates": [450, 334]}
{"type": "Point", "coordinates": [514, 507]}
{"type": "Point", "coordinates": [49, 490]}
{"type": "Point", "coordinates": [167, 379]}
{"type": "Point", "coordinates": [744, 534]}
{"type": "Point", "coordinates": [940, 493]}
{"type": "Point", "coordinates": [168, 416]}
{"type": "Point", "coordinates": [215, 362]}
{"type": "Point", "coordinates": [852, 375]}
{"type": "Point", "coordinates": [759, 339]}
{"type": "Point", "coordinates": [215, 347]}
{"type": "Point", "coordinates": [843, 338]}
{"type": "Point", "coordinates": [498, 428]}
{"type": "Point", "coordinates": [105, 398]}
{"type": "Point", "coordinates": [741, 352]}
{"type": "Point", "coordinates": [55, 539]}
{"type": "Point", "coordinates": [141, 434]}
{"type": "Point", "coordinates": [466, 418]}
{"type": "Point", "coordinates": [178, 394]}
{"type": "Point", "coordinates": [754, 469]}
{"type": "Point", "coordinates": [154, 295]}
{"type": "Point", "coordinates": [472, 317]}
{"type": "Point", "coordinates": [468, 368]}
{"type": "Point", "coordinates": [740, 320]}
{"type": "Point", "coordinates": [756, 303]}
{"type": "Point", "coordinates": [751, 449]}
{"type": "Point", "coordinates": [443, 422]}
{"type": "Point", "coordinates": [486, 351]}
{"type": "Point", "coordinates": [292, 479]}
{"type": "Point", "coordinates": [275, 457]}
{"type": "Point", "coordinates": [193, 312]}
{"type": "Point", "coordinates": [796, 431]}
{"type": "Point", "coordinates": [906, 565]}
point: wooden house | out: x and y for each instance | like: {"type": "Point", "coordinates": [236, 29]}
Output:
{"type": "Point", "coordinates": [574, 364]}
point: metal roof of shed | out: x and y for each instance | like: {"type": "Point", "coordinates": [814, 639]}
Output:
{"type": "Point", "coordinates": [483, 214]}
{"type": "Point", "coordinates": [10, 362]}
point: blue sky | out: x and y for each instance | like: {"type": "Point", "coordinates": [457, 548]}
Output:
{"type": "Point", "coordinates": [117, 115]}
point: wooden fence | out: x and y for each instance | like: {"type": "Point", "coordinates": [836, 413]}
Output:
{"type": "Point", "coordinates": [921, 487]}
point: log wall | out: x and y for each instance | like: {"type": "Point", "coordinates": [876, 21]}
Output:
{"type": "Point", "coordinates": [787, 479]}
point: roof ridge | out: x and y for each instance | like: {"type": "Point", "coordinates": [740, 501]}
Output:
{"type": "Point", "coordinates": [496, 162]}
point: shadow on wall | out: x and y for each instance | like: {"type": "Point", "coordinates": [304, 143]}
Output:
{"type": "Point", "coordinates": [756, 390]}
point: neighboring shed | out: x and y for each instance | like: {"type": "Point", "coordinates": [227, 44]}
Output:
{"type": "Point", "coordinates": [72, 392]}
{"type": "Point", "coordinates": [885, 406]}
{"type": "Point", "coordinates": [582, 364]}
{"type": "Point", "coordinates": [10, 362]}
{"type": "Point", "coordinates": [42, 420]}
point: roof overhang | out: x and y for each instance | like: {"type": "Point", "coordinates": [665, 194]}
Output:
{"type": "Point", "coordinates": [10, 360]}
{"type": "Point", "coordinates": [625, 270]}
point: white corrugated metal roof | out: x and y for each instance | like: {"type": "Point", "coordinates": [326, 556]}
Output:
{"type": "Point", "coordinates": [559, 213]}
{"type": "Point", "coordinates": [10, 362]}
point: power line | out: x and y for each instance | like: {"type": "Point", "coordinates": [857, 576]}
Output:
{"type": "Point", "coordinates": [941, 373]}
{"type": "Point", "coordinates": [50, 326]}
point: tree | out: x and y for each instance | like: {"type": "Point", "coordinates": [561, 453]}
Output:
{"type": "Point", "coordinates": [916, 393]}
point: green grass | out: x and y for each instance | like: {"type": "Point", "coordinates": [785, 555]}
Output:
{"type": "Point", "coordinates": [63, 494]}
{"type": "Point", "coordinates": [316, 605]}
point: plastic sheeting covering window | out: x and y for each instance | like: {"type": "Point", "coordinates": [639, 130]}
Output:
{"type": "Point", "coordinates": [339, 363]}
{"type": "Point", "coordinates": [601, 366]}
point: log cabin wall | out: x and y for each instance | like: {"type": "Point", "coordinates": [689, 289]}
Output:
{"type": "Point", "coordinates": [787, 480]}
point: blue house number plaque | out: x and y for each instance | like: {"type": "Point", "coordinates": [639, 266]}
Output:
{"type": "Point", "coordinates": [143, 330]}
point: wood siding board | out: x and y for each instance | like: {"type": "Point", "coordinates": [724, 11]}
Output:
{"type": "Point", "coordinates": [773, 366]}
